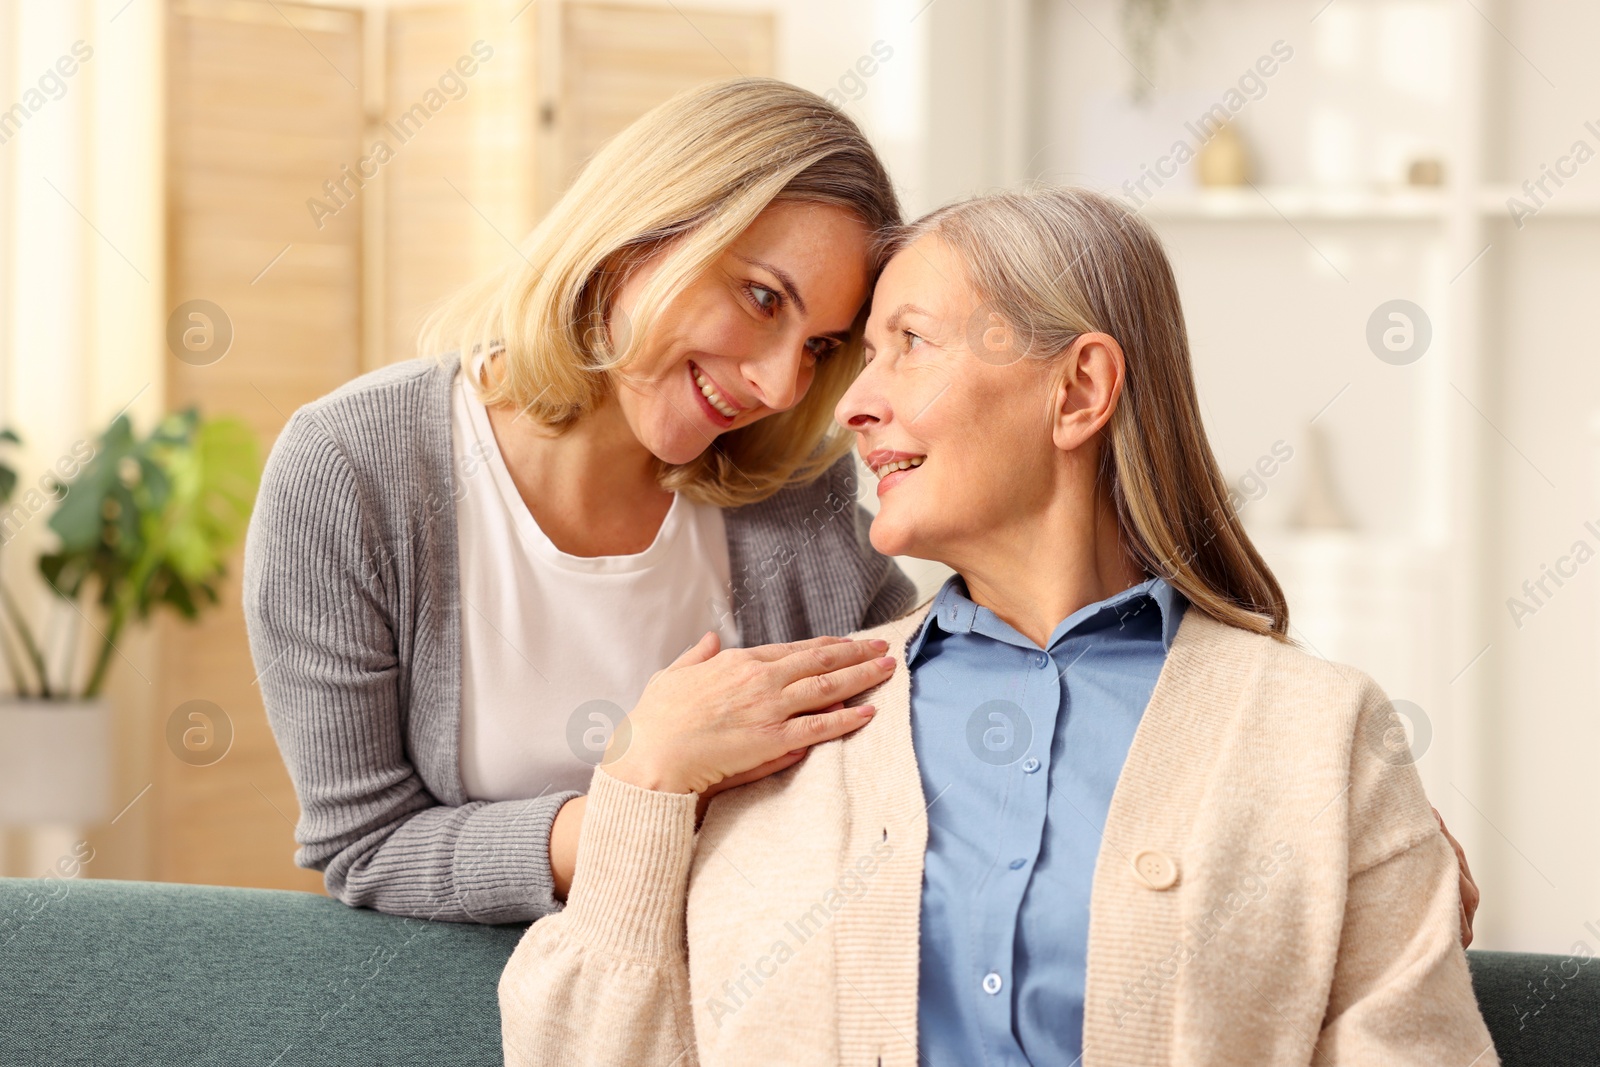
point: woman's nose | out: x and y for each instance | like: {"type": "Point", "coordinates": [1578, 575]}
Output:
{"type": "Point", "coordinates": [778, 380]}
{"type": "Point", "coordinates": [862, 405]}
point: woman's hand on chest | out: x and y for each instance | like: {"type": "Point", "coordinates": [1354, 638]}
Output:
{"type": "Point", "coordinates": [715, 718]}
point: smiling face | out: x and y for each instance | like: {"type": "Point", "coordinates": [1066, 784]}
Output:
{"type": "Point", "coordinates": [963, 442]}
{"type": "Point", "coordinates": [743, 340]}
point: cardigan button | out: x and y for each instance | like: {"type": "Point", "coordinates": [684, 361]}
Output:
{"type": "Point", "coordinates": [1155, 870]}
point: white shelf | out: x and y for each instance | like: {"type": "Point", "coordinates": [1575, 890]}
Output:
{"type": "Point", "coordinates": [1565, 204]}
{"type": "Point", "coordinates": [1274, 202]}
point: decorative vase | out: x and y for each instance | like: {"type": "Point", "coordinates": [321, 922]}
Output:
{"type": "Point", "coordinates": [1223, 162]}
{"type": "Point", "coordinates": [55, 762]}
{"type": "Point", "coordinates": [1425, 173]}
{"type": "Point", "coordinates": [1321, 505]}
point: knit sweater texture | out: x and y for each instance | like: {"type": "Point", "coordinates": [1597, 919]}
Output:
{"type": "Point", "coordinates": [1271, 888]}
{"type": "Point", "coordinates": [352, 599]}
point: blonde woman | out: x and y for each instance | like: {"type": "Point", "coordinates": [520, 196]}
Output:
{"type": "Point", "coordinates": [1105, 809]}
{"type": "Point", "coordinates": [460, 575]}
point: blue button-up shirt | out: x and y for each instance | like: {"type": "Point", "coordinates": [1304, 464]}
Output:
{"type": "Point", "coordinates": [1020, 749]}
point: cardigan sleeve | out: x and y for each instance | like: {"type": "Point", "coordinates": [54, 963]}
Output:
{"type": "Point", "coordinates": [331, 675]}
{"type": "Point", "coordinates": [606, 981]}
{"type": "Point", "coordinates": [1401, 992]}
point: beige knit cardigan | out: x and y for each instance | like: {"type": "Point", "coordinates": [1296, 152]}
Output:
{"type": "Point", "coordinates": [1271, 888]}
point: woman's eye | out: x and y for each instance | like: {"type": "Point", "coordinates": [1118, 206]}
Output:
{"type": "Point", "coordinates": [822, 347]}
{"type": "Point", "coordinates": [912, 340]}
{"type": "Point", "coordinates": [765, 298]}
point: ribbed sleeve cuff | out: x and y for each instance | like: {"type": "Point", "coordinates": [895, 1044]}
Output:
{"type": "Point", "coordinates": [501, 870]}
{"type": "Point", "coordinates": [631, 884]}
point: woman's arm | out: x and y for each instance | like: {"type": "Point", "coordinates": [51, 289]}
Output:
{"type": "Point", "coordinates": [606, 981]}
{"type": "Point", "coordinates": [565, 834]}
{"type": "Point", "coordinates": [1469, 888]}
{"type": "Point", "coordinates": [1401, 990]}
{"type": "Point", "coordinates": [330, 676]}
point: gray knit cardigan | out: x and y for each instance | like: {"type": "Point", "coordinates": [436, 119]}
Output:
{"type": "Point", "coordinates": [352, 600]}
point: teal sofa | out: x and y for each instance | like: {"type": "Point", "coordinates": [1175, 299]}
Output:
{"type": "Point", "coordinates": [101, 972]}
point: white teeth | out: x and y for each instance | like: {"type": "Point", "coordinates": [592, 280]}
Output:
{"type": "Point", "coordinates": [716, 401]}
{"type": "Point", "coordinates": [887, 469]}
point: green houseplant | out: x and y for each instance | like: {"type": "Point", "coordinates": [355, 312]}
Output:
{"type": "Point", "coordinates": [142, 524]}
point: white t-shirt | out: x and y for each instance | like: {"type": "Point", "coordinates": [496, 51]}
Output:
{"type": "Point", "coordinates": [556, 648]}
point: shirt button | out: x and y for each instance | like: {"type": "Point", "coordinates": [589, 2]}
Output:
{"type": "Point", "coordinates": [991, 983]}
{"type": "Point", "coordinates": [1040, 659]}
{"type": "Point", "coordinates": [1030, 765]}
{"type": "Point", "coordinates": [1016, 865]}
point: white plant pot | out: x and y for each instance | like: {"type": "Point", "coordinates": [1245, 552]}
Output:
{"type": "Point", "coordinates": [55, 762]}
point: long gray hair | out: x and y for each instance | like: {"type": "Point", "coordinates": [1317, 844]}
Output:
{"type": "Point", "coordinates": [1054, 263]}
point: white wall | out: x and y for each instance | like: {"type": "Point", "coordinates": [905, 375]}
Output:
{"type": "Point", "coordinates": [1547, 383]}
{"type": "Point", "coordinates": [826, 45]}
{"type": "Point", "coordinates": [81, 302]}
{"type": "Point", "coordinates": [1277, 334]}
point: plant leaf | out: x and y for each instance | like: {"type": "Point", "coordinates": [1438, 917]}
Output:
{"type": "Point", "coordinates": [212, 490]}
{"type": "Point", "coordinates": [149, 522]}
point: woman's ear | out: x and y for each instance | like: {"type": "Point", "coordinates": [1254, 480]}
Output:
{"type": "Point", "coordinates": [1088, 387]}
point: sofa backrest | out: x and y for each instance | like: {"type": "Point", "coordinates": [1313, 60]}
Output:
{"type": "Point", "coordinates": [1542, 1011]}
{"type": "Point", "coordinates": [97, 972]}
{"type": "Point", "coordinates": [103, 972]}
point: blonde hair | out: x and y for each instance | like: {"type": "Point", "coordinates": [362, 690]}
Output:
{"type": "Point", "coordinates": [1055, 263]}
{"type": "Point", "coordinates": [682, 182]}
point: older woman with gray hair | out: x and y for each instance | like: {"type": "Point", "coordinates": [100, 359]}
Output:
{"type": "Point", "coordinates": [1105, 811]}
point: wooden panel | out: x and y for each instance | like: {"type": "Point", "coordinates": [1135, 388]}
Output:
{"type": "Point", "coordinates": [267, 103]}
{"type": "Point", "coordinates": [264, 107]}
{"type": "Point", "coordinates": [427, 222]}
{"type": "Point", "coordinates": [620, 60]}
{"type": "Point", "coordinates": [462, 193]}
{"type": "Point", "coordinates": [458, 190]}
